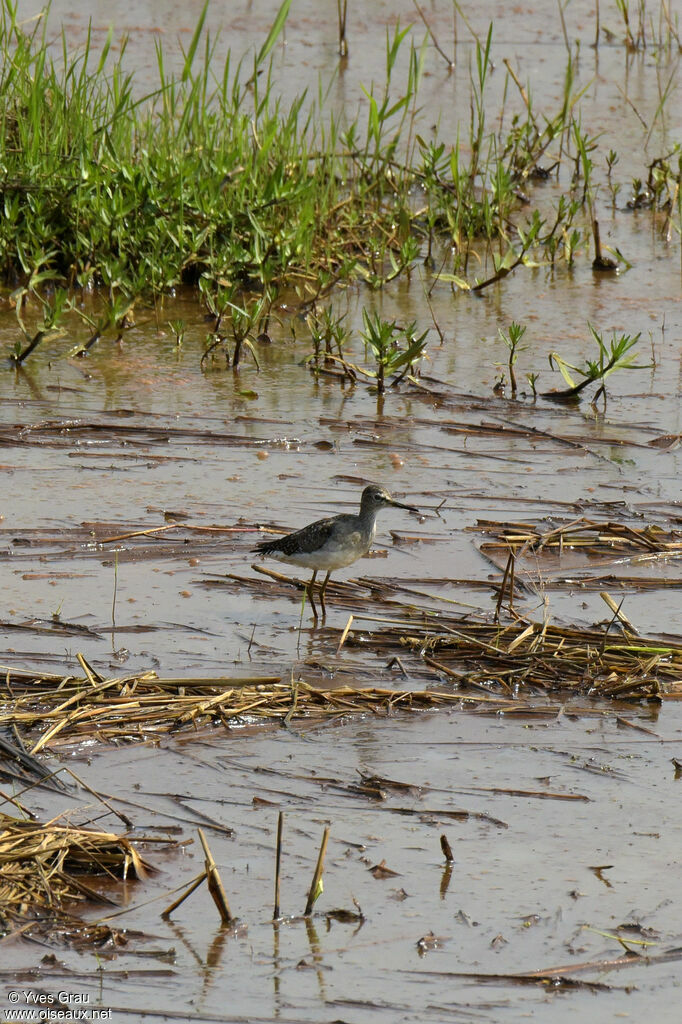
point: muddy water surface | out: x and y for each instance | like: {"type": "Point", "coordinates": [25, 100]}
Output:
{"type": "Point", "coordinates": [573, 827]}
{"type": "Point", "coordinates": [571, 836]}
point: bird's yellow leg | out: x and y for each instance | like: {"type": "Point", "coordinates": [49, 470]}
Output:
{"type": "Point", "coordinates": [322, 590]}
{"type": "Point", "coordinates": [309, 591]}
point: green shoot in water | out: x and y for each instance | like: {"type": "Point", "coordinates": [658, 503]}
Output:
{"type": "Point", "coordinates": [395, 349]}
{"type": "Point", "coordinates": [619, 354]}
{"type": "Point", "coordinates": [513, 342]}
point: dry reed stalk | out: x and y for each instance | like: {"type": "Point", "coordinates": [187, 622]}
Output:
{"type": "Point", "coordinates": [215, 885]}
{"type": "Point", "coordinates": [316, 884]}
{"type": "Point", "coordinates": [590, 536]}
{"type": "Point", "coordinates": [447, 849]}
{"type": "Point", "coordinates": [77, 709]}
{"type": "Point", "coordinates": [509, 665]}
{"type": "Point", "coordinates": [278, 865]}
{"type": "Point", "coordinates": [193, 885]}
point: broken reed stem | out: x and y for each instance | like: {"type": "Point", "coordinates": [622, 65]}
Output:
{"type": "Point", "coordinates": [507, 583]}
{"type": "Point", "coordinates": [113, 603]}
{"type": "Point", "coordinates": [188, 892]}
{"type": "Point", "coordinates": [616, 609]}
{"type": "Point", "coordinates": [93, 677]}
{"type": "Point", "coordinates": [43, 865]}
{"type": "Point", "coordinates": [341, 8]}
{"type": "Point", "coordinates": [508, 665]}
{"type": "Point", "coordinates": [314, 891]}
{"type": "Point", "coordinates": [449, 61]}
{"type": "Point", "coordinates": [12, 800]}
{"type": "Point", "coordinates": [447, 849]}
{"type": "Point", "coordinates": [98, 796]}
{"type": "Point", "coordinates": [345, 633]}
{"type": "Point", "coordinates": [278, 863]}
{"type": "Point", "coordinates": [215, 886]}
{"type": "Point", "coordinates": [512, 569]}
{"type": "Point", "coordinates": [152, 531]}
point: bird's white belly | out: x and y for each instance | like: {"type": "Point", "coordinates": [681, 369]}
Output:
{"type": "Point", "coordinates": [331, 556]}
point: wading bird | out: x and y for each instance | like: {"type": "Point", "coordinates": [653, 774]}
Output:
{"type": "Point", "coordinates": [332, 543]}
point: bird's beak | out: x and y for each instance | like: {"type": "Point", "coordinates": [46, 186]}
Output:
{"type": "Point", "coordinates": [399, 504]}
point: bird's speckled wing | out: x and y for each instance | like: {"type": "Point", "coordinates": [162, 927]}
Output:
{"type": "Point", "coordinates": [307, 540]}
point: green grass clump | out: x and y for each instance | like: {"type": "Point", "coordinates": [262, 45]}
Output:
{"type": "Point", "coordinates": [207, 178]}
{"type": "Point", "coordinates": [202, 177]}
{"type": "Point", "coordinates": [210, 181]}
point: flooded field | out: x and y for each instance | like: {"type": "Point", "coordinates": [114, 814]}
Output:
{"type": "Point", "coordinates": [135, 483]}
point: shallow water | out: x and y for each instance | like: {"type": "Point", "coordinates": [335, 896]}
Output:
{"type": "Point", "coordinates": [521, 898]}
{"type": "Point", "coordinates": [96, 449]}
{"type": "Point", "coordinates": [101, 448]}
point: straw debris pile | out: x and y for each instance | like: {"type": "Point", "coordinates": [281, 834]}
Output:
{"type": "Point", "coordinates": [135, 708]}
{"type": "Point", "coordinates": [526, 658]}
{"type": "Point", "coordinates": [514, 662]}
{"type": "Point", "coordinates": [42, 867]}
{"type": "Point", "coordinates": [589, 535]}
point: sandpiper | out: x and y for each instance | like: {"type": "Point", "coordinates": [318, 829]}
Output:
{"type": "Point", "coordinates": [332, 543]}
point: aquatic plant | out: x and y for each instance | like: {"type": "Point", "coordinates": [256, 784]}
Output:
{"type": "Point", "coordinates": [394, 349]}
{"type": "Point", "coordinates": [117, 315]}
{"type": "Point", "coordinates": [242, 321]}
{"type": "Point", "coordinates": [329, 335]}
{"type": "Point", "coordinates": [209, 177]}
{"type": "Point", "coordinates": [513, 340]}
{"type": "Point", "coordinates": [178, 328]}
{"type": "Point", "coordinates": [643, 30]}
{"type": "Point", "coordinates": [619, 355]}
{"type": "Point", "coordinates": [53, 309]}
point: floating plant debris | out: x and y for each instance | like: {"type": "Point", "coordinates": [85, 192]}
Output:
{"type": "Point", "coordinates": [46, 866]}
